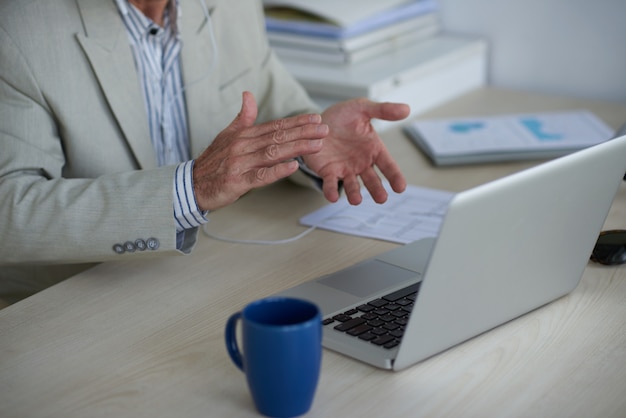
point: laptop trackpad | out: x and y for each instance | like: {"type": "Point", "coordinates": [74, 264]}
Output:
{"type": "Point", "coordinates": [368, 278]}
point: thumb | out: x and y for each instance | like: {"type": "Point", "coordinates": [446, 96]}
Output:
{"type": "Point", "coordinates": [248, 113]}
{"type": "Point", "coordinates": [387, 111]}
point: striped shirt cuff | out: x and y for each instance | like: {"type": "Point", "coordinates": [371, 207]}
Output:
{"type": "Point", "coordinates": [186, 211]}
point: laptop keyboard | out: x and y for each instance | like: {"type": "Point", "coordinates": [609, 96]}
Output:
{"type": "Point", "coordinates": [380, 321]}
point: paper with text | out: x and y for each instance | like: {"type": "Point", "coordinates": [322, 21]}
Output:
{"type": "Point", "coordinates": [406, 217]}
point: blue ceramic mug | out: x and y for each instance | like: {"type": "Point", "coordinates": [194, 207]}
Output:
{"type": "Point", "coordinates": [282, 352]}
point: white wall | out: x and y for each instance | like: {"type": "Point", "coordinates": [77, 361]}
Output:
{"type": "Point", "coordinates": [569, 47]}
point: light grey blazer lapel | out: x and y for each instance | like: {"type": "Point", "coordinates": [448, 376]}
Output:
{"type": "Point", "coordinates": [106, 45]}
{"type": "Point", "coordinates": [201, 71]}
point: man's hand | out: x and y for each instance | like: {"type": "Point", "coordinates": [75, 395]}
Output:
{"type": "Point", "coordinates": [353, 149]}
{"type": "Point", "coordinates": [245, 156]}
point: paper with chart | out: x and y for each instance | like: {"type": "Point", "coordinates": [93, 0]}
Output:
{"type": "Point", "coordinates": [507, 137]}
{"type": "Point", "coordinates": [405, 217]}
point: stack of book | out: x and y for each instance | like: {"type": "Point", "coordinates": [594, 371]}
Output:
{"type": "Point", "coordinates": [391, 50]}
{"type": "Point", "coordinates": [344, 32]}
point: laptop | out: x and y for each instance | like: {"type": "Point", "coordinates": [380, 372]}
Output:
{"type": "Point", "coordinates": [504, 248]}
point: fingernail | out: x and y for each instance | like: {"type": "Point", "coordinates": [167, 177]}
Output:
{"type": "Point", "coordinates": [322, 129]}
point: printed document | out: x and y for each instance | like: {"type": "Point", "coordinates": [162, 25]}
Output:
{"type": "Point", "coordinates": [405, 217]}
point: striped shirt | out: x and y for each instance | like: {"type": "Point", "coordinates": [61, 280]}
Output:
{"type": "Point", "coordinates": [156, 51]}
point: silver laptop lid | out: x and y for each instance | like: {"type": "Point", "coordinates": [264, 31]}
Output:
{"type": "Point", "coordinates": [512, 245]}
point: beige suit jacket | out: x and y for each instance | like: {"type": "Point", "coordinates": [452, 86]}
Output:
{"type": "Point", "coordinates": [77, 168]}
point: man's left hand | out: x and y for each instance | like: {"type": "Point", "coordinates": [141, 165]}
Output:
{"type": "Point", "coordinates": [353, 149]}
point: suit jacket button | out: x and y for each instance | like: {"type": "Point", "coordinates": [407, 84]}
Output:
{"type": "Point", "coordinates": [119, 249]}
{"type": "Point", "coordinates": [140, 245]}
{"type": "Point", "coordinates": [129, 247]}
{"type": "Point", "coordinates": [152, 243]}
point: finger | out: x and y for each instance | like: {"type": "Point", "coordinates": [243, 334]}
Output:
{"type": "Point", "coordinates": [353, 190]}
{"type": "Point", "coordinates": [283, 136]}
{"type": "Point", "coordinates": [284, 144]}
{"type": "Point", "coordinates": [275, 153]}
{"type": "Point", "coordinates": [266, 175]}
{"type": "Point", "coordinates": [330, 188]}
{"type": "Point", "coordinates": [390, 169]}
{"type": "Point", "coordinates": [374, 185]}
{"type": "Point", "coordinates": [286, 123]}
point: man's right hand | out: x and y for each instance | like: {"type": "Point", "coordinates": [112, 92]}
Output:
{"type": "Point", "coordinates": [245, 156]}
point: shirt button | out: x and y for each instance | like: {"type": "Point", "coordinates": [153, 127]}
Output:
{"type": "Point", "coordinates": [152, 243]}
{"type": "Point", "coordinates": [119, 249]}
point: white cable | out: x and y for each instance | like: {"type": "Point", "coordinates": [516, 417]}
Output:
{"type": "Point", "coordinates": [214, 53]}
{"type": "Point", "coordinates": [252, 241]}
{"type": "Point", "coordinates": [302, 234]}
{"type": "Point", "coordinates": [214, 50]}
{"type": "Point", "coordinates": [214, 60]}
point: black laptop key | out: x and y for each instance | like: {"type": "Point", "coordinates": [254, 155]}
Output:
{"type": "Point", "coordinates": [403, 302]}
{"type": "Point", "coordinates": [382, 340]}
{"type": "Point", "coordinates": [388, 318]}
{"type": "Point", "coordinates": [328, 321]}
{"type": "Point", "coordinates": [391, 326]}
{"type": "Point", "coordinates": [392, 344]}
{"type": "Point", "coordinates": [401, 321]}
{"type": "Point", "coordinates": [398, 333]}
{"type": "Point", "coordinates": [378, 303]}
{"type": "Point", "coordinates": [379, 331]}
{"type": "Point", "coordinates": [365, 308]}
{"type": "Point", "coordinates": [358, 330]}
{"type": "Point", "coordinates": [367, 336]}
{"type": "Point", "coordinates": [350, 324]}
{"type": "Point", "coordinates": [375, 322]}
{"type": "Point", "coordinates": [402, 293]}
{"type": "Point", "coordinates": [342, 317]}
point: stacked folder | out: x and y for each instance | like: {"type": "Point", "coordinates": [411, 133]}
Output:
{"type": "Point", "coordinates": [389, 50]}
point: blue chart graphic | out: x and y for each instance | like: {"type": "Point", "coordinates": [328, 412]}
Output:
{"type": "Point", "coordinates": [536, 128]}
{"type": "Point", "coordinates": [464, 127]}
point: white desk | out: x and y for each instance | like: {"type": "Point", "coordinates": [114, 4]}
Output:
{"type": "Point", "coordinates": [145, 339]}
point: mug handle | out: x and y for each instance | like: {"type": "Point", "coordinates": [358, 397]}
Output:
{"type": "Point", "coordinates": [231, 340]}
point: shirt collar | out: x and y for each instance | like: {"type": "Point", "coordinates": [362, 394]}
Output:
{"type": "Point", "coordinates": [140, 26]}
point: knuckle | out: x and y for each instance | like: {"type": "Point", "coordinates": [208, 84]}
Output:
{"type": "Point", "coordinates": [272, 152]}
{"type": "Point", "coordinates": [279, 136]}
{"type": "Point", "coordinates": [261, 174]}
{"type": "Point", "coordinates": [279, 124]}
